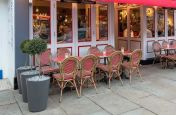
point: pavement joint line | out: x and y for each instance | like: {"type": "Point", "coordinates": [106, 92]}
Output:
{"type": "Point", "coordinates": [98, 105]}
{"type": "Point", "coordinates": [140, 106]}
{"type": "Point", "coordinates": [18, 104]}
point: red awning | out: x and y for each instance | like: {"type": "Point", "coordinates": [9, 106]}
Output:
{"type": "Point", "coordinates": [161, 3]}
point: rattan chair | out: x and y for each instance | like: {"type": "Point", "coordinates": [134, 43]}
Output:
{"type": "Point", "coordinates": [67, 75]}
{"type": "Point", "coordinates": [93, 50]}
{"type": "Point", "coordinates": [62, 51]}
{"type": "Point", "coordinates": [109, 49]}
{"type": "Point", "coordinates": [87, 71]}
{"type": "Point", "coordinates": [134, 63]}
{"type": "Point", "coordinates": [45, 63]}
{"type": "Point", "coordinates": [113, 67]}
{"type": "Point", "coordinates": [157, 49]}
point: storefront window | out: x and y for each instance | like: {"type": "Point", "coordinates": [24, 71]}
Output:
{"type": "Point", "coordinates": [84, 22]}
{"type": "Point", "coordinates": [161, 22]}
{"type": "Point", "coordinates": [150, 12]}
{"type": "Point", "coordinates": [102, 22]}
{"type": "Point", "coordinates": [170, 22]}
{"type": "Point", "coordinates": [135, 22]}
{"type": "Point", "coordinates": [64, 22]}
{"type": "Point", "coordinates": [122, 23]}
{"type": "Point", "coordinates": [41, 19]}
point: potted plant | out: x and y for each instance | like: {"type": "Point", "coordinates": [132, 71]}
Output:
{"type": "Point", "coordinates": [38, 86]}
{"type": "Point", "coordinates": [25, 67]}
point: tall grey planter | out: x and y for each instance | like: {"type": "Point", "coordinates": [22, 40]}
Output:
{"type": "Point", "coordinates": [37, 92]}
{"type": "Point", "coordinates": [24, 76]}
{"type": "Point", "coordinates": [19, 71]}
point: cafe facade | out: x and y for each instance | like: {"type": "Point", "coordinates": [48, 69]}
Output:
{"type": "Point", "coordinates": [78, 25]}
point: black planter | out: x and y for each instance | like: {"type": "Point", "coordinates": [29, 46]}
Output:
{"type": "Point", "coordinates": [24, 76]}
{"type": "Point", "coordinates": [37, 92]}
{"type": "Point", "coordinates": [19, 71]}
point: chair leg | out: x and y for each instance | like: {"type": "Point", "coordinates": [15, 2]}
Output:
{"type": "Point", "coordinates": [120, 78]}
{"type": "Point", "coordinates": [154, 60]}
{"type": "Point", "coordinates": [139, 74]}
{"type": "Point", "coordinates": [130, 75]}
{"type": "Point", "coordinates": [92, 79]}
{"type": "Point", "coordinates": [81, 87]}
{"type": "Point", "coordinates": [109, 77]}
{"type": "Point", "coordinates": [61, 91]}
{"type": "Point", "coordinates": [74, 82]}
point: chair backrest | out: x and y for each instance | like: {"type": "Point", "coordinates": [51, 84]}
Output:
{"type": "Point", "coordinates": [93, 50]}
{"type": "Point", "coordinates": [136, 56]}
{"type": "Point", "coordinates": [115, 60]}
{"type": "Point", "coordinates": [173, 43]}
{"type": "Point", "coordinates": [45, 58]}
{"type": "Point", "coordinates": [109, 49]}
{"type": "Point", "coordinates": [62, 51]}
{"type": "Point", "coordinates": [156, 46]}
{"type": "Point", "coordinates": [89, 63]}
{"type": "Point", "coordinates": [69, 66]}
{"type": "Point", "coordinates": [165, 44]}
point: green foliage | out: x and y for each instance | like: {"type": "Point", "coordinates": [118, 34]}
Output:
{"type": "Point", "coordinates": [23, 46]}
{"type": "Point", "coordinates": [36, 46]}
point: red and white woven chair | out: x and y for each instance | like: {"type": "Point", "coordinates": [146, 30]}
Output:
{"type": "Point", "coordinates": [45, 62]}
{"type": "Point", "coordinates": [87, 71]}
{"type": "Point", "coordinates": [157, 49]}
{"type": "Point", "coordinates": [134, 63]}
{"type": "Point", "coordinates": [67, 75]}
{"type": "Point", "coordinates": [93, 50]}
{"type": "Point", "coordinates": [109, 49]}
{"type": "Point", "coordinates": [113, 67]}
{"type": "Point", "coordinates": [62, 51]}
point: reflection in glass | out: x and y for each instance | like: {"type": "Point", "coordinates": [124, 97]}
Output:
{"type": "Point", "coordinates": [64, 22]}
{"type": "Point", "coordinates": [150, 12]}
{"type": "Point", "coordinates": [41, 19]}
{"type": "Point", "coordinates": [161, 22]}
{"type": "Point", "coordinates": [122, 23]}
{"type": "Point", "coordinates": [170, 22]}
{"type": "Point", "coordinates": [135, 22]}
{"type": "Point", "coordinates": [102, 22]}
{"type": "Point", "coordinates": [84, 22]}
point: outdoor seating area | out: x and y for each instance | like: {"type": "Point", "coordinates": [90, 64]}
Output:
{"type": "Point", "coordinates": [165, 53]}
{"type": "Point", "coordinates": [76, 71]}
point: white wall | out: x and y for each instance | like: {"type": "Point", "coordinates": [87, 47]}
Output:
{"type": "Point", "coordinates": [7, 59]}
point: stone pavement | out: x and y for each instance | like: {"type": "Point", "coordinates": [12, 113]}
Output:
{"type": "Point", "coordinates": [155, 95]}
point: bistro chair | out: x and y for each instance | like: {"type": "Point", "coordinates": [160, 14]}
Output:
{"type": "Point", "coordinates": [45, 63]}
{"type": "Point", "coordinates": [109, 49]}
{"type": "Point", "coordinates": [87, 71]}
{"type": "Point", "coordinates": [94, 50]}
{"type": "Point", "coordinates": [173, 44]}
{"type": "Point", "coordinates": [63, 51]}
{"type": "Point", "coordinates": [113, 67]}
{"type": "Point", "coordinates": [134, 63]}
{"type": "Point", "coordinates": [67, 75]}
{"type": "Point", "coordinates": [157, 49]}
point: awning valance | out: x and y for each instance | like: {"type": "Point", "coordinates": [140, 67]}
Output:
{"type": "Point", "coordinates": [161, 3]}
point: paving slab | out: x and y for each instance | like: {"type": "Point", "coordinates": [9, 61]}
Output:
{"type": "Point", "coordinates": [140, 111]}
{"type": "Point", "coordinates": [157, 105]}
{"type": "Point", "coordinates": [112, 103]}
{"type": "Point", "coordinates": [6, 97]}
{"type": "Point", "coordinates": [11, 109]}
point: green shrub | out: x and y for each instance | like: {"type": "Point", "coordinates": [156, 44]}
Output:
{"type": "Point", "coordinates": [36, 46]}
{"type": "Point", "coordinates": [23, 46]}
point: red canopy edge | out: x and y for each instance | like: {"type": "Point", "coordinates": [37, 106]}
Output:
{"type": "Point", "coordinates": [161, 3]}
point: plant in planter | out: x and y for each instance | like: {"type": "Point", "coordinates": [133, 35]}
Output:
{"type": "Point", "coordinates": [37, 86]}
{"type": "Point", "coordinates": [24, 68]}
